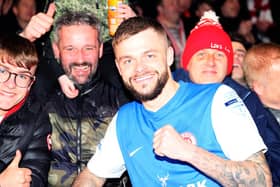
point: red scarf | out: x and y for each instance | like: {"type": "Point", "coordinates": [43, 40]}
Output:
{"type": "Point", "coordinates": [15, 108]}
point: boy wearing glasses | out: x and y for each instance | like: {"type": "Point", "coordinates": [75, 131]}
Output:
{"type": "Point", "coordinates": [24, 142]}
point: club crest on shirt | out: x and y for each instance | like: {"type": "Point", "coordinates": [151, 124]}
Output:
{"type": "Point", "coordinates": [189, 137]}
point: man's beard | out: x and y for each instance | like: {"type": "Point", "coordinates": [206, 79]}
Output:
{"type": "Point", "coordinates": [161, 82]}
{"type": "Point", "coordinates": [85, 65]}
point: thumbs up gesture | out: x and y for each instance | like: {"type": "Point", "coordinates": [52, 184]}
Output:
{"type": "Point", "coordinates": [13, 176]}
{"type": "Point", "coordinates": [39, 24]}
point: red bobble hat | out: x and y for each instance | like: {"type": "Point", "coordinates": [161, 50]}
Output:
{"type": "Point", "coordinates": [208, 34]}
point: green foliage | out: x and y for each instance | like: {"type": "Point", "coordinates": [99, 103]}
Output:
{"type": "Point", "coordinates": [98, 7]}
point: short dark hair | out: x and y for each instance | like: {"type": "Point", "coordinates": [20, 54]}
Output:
{"type": "Point", "coordinates": [235, 37]}
{"type": "Point", "coordinates": [17, 51]}
{"type": "Point", "coordinates": [135, 25]}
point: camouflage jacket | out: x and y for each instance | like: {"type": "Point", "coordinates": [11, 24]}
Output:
{"type": "Point", "coordinates": [77, 127]}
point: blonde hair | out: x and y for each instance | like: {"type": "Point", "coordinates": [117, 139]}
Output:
{"type": "Point", "coordinates": [258, 61]}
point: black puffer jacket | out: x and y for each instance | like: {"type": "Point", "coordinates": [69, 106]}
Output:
{"type": "Point", "coordinates": [23, 130]}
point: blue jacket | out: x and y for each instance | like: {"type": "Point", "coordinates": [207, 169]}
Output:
{"type": "Point", "coordinates": [266, 123]}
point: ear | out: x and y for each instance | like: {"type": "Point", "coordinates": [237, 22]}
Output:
{"type": "Point", "coordinates": [101, 50]}
{"type": "Point", "coordinates": [117, 64]}
{"type": "Point", "coordinates": [55, 50]}
{"type": "Point", "coordinates": [170, 56]}
{"type": "Point", "coordinates": [31, 85]}
{"type": "Point", "coordinates": [159, 8]}
{"type": "Point", "coordinates": [15, 10]}
{"type": "Point", "coordinates": [32, 70]}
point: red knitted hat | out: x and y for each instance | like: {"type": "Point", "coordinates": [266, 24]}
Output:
{"type": "Point", "coordinates": [208, 34]}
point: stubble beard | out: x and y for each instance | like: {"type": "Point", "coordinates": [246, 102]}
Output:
{"type": "Point", "coordinates": [161, 82]}
{"type": "Point", "coordinates": [74, 79]}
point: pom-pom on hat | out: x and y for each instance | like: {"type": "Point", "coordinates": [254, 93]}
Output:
{"type": "Point", "coordinates": [208, 34]}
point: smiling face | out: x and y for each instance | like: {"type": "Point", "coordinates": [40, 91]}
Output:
{"type": "Point", "coordinates": [79, 50]}
{"type": "Point", "coordinates": [143, 61]}
{"type": "Point", "coordinates": [239, 52]}
{"type": "Point", "coordinates": [10, 93]}
{"type": "Point", "coordinates": [208, 66]}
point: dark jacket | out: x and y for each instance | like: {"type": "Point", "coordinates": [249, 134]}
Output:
{"type": "Point", "coordinates": [266, 123]}
{"type": "Point", "coordinates": [25, 131]}
{"type": "Point", "coordinates": [78, 126]}
{"type": "Point", "coordinates": [48, 70]}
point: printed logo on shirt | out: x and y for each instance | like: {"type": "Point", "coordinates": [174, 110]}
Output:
{"type": "Point", "coordinates": [164, 179]}
{"type": "Point", "coordinates": [230, 102]}
{"type": "Point", "coordinates": [189, 137]}
{"type": "Point", "coordinates": [235, 104]}
{"type": "Point", "coordinates": [198, 184]}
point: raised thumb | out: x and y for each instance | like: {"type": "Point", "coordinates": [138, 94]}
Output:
{"type": "Point", "coordinates": [16, 160]}
{"type": "Point", "coordinates": [51, 10]}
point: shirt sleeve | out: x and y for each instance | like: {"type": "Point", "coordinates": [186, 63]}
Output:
{"type": "Point", "coordinates": [234, 127]}
{"type": "Point", "coordinates": [108, 162]}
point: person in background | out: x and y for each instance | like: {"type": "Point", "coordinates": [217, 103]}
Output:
{"type": "Point", "coordinates": [208, 58]}
{"type": "Point", "coordinates": [234, 16]}
{"type": "Point", "coordinates": [246, 28]}
{"type": "Point", "coordinates": [25, 137]}
{"type": "Point", "coordinates": [228, 12]}
{"type": "Point", "coordinates": [5, 6]}
{"type": "Point", "coordinates": [23, 11]}
{"type": "Point", "coordinates": [197, 10]}
{"type": "Point", "coordinates": [239, 46]}
{"type": "Point", "coordinates": [261, 18]}
{"type": "Point", "coordinates": [19, 16]}
{"type": "Point", "coordinates": [174, 128]}
{"type": "Point", "coordinates": [169, 16]}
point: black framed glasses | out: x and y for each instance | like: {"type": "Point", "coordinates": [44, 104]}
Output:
{"type": "Point", "coordinates": [21, 80]}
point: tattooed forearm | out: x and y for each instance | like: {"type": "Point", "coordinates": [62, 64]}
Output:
{"type": "Point", "coordinates": [252, 172]}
